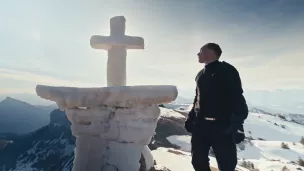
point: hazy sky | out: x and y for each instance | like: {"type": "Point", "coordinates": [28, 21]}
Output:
{"type": "Point", "coordinates": [47, 42]}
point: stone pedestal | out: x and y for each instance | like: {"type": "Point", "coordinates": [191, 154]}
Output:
{"type": "Point", "coordinates": [113, 125]}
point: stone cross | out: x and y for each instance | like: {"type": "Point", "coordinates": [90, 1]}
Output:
{"type": "Point", "coordinates": [117, 44]}
{"type": "Point", "coordinates": [113, 125]}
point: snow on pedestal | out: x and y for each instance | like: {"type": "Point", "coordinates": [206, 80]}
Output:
{"type": "Point", "coordinates": [113, 125]}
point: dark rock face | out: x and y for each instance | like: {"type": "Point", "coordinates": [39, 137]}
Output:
{"type": "Point", "coordinates": [3, 143]}
{"type": "Point", "coordinates": [161, 105]}
{"type": "Point", "coordinates": [59, 117]}
{"type": "Point", "coordinates": [142, 162]}
{"type": "Point", "coordinates": [166, 127]}
{"type": "Point", "coordinates": [154, 168]}
{"type": "Point", "coordinates": [50, 148]}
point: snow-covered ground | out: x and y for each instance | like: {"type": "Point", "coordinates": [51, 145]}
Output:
{"type": "Point", "coordinates": [177, 160]}
{"type": "Point", "coordinates": [269, 155]}
{"type": "Point", "coordinates": [264, 150]}
{"type": "Point", "coordinates": [272, 128]}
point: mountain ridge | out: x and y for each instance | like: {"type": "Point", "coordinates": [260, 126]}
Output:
{"type": "Point", "coordinates": [20, 117]}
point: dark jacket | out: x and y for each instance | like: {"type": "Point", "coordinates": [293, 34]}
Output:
{"type": "Point", "coordinates": [219, 94]}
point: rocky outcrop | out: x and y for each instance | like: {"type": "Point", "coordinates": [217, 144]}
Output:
{"type": "Point", "coordinates": [170, 123]}
{"type": "Point", "coordinates": [154, 168]}
{"type": "Point", "coordinates": [3, 143]}
{"type": "Point", "coordinates": [59, 117]}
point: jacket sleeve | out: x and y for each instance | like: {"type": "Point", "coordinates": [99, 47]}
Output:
{"type": "Point", "coordinates": [238, 103]}
{"type": "Point", "coordinates": [191, 115]}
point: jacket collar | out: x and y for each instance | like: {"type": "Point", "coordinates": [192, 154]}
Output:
{"type": "Point", "coordinates": [212, 64]}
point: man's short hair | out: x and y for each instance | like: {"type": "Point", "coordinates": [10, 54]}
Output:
{"type": "Point", "coordinates": [214, 47]}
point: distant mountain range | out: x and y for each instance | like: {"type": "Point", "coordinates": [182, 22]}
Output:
{"type": "Point", "coordinates": [20, 117]}
{"type": "Point", "coordinates": [285, 101]}
{"type": "Point", "coordinates": [47, 108]}
{"type": "Point", "coordinates": [32, 99]}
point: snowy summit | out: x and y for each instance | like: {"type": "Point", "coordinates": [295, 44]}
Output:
{"type": "Point", "coordinates": [272, 143]}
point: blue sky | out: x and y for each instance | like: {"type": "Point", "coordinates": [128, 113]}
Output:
{"type": "Point", "coordinates": [47, 42]}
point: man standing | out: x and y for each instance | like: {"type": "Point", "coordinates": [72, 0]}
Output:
{"type": "Point", "coordinates": [218, 113]}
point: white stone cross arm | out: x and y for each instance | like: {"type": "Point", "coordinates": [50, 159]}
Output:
{"type": "Point", "coordinates": [116, 45]}
{"type": "Point", "coordinates": [117, 37]}
{"type": "Point", "coordinates": [107, 42]}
